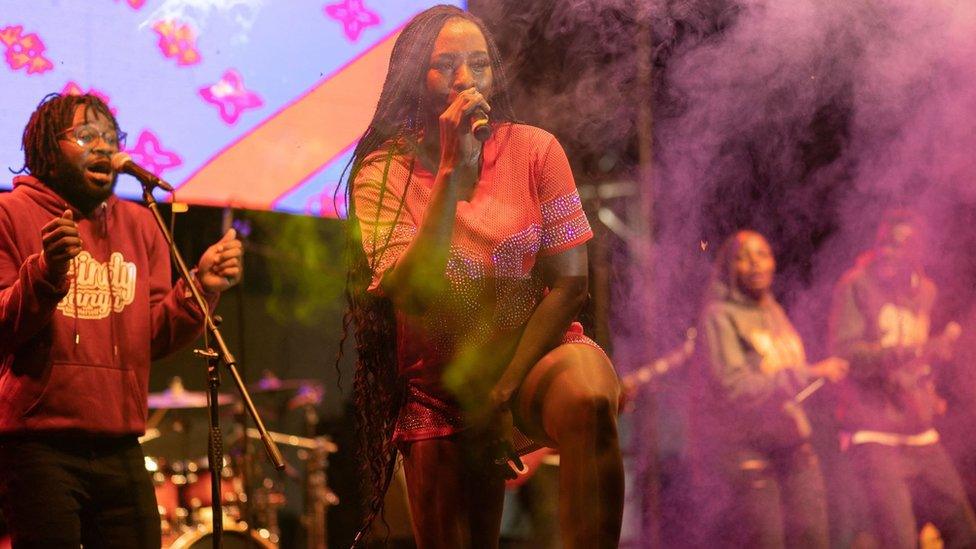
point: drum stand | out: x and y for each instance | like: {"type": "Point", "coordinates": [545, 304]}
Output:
{"type": "Point", "coordinates": [214, 358]}
{"type": "Point", "coordinates": [318, 497]}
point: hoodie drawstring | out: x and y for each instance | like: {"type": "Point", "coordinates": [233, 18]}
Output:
{"type": "Point", "coordinates": [74, 296]}
{"type": "Point", "coordinates": [103, 226]}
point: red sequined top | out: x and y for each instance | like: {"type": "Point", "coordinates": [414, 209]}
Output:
{"type": "Point", "coordinates": [525, 206]}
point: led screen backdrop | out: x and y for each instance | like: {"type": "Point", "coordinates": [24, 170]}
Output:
{"type": "Point", "coordinates": [249, 103]}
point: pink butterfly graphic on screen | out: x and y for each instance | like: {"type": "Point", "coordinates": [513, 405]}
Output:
{"type": "Point", "coordinates": [72, 88]}
{"type": "Point", "coordinates": [148, 153]}
{"type": "Point", "coordinates": [24, 50]}
{"type": "Point", "coordinates": [354, 17]}
{"type": "Point", "coordinates": [177, 40]}
{"type": "Point", "coordinates": [135, 4]}
{"type": "Point", "coordinates": [230, 96]}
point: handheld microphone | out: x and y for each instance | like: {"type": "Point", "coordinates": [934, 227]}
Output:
{"type": "Point", "coordinates": [122, 163]}
{"type": "Point", "coordinates": [479, 125]}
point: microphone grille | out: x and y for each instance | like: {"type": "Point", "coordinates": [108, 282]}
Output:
{"type": "Point", "coordinates": [119, 160]}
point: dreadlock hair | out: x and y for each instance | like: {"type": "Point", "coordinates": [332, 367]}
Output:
{"type": "Point", "coordinates": [396, 127]}
{"type": "Point", "coordinates": [52, 116]}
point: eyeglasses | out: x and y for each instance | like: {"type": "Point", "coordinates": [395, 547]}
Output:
{"type": "Point", "coordinates": [85, 134]}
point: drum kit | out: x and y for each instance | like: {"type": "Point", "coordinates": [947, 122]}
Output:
{"type": "Point", "coordinates": [175, 445]}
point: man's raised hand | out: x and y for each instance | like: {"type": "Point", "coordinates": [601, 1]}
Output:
{"type": "Point", "coordinates": [62, 243]}
{"type": "Point", "coordinates": [220, 267]}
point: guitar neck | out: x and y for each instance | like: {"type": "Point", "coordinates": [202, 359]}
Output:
{"type": "Point", "coordinates": [653, 370]}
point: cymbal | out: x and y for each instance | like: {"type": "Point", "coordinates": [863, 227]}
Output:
{"type": "Point", "coordinates": [271, 383]}
{"type": "Point", "coordinates": [176, 397]}
{"type": "Point", "coordinates": [177, 437]}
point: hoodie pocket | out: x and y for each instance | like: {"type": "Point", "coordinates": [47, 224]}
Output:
{"type": "Point", "coordinates": [92, 398]}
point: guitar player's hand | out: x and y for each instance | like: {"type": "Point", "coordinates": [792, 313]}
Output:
{"type": "Point", "coordinates": [833, 369]}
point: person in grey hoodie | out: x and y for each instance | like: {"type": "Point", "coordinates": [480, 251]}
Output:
{"type": "Point", "coordinates": [762, 479]}
{"type": "Point", "coordinates": [880, 320]}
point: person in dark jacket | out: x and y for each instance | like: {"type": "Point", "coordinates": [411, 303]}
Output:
{"type": "Point", "coordinates": [880, 321]}
{"type": "Point", "coordinates": [751, 434]}
{"type": "Point", "coordinates": [86, 302]}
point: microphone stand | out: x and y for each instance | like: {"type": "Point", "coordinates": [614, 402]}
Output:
{"type": "Point", "coordinates": [214, 358]}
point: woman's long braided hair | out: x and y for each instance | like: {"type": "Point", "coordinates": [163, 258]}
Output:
{"type": "Point", "coordinates": [397, 128]}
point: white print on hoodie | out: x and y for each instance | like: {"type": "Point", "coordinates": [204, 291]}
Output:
{"type": "Point", "coordinates": [98, 289]}
{"type": "Point", "coordinates": [901, 326]}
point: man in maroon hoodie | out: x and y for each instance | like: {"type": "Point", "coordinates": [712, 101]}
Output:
{"type": "Point", "coordinates": [86, 302]}
{"type": "Point", "coordinates": [880, 321]}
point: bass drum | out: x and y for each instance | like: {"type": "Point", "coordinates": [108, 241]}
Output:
{"type": "Point", "coordinates": [235, 537]}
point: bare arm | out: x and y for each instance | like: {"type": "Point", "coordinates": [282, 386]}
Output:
{"type": "Point", "coordinates": [566, 275]}
{"type": "Point", "coordinates": [419, 275]}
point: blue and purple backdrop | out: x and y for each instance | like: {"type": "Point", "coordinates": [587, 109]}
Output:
{"type": "Point", "coordinates": [245, 103]}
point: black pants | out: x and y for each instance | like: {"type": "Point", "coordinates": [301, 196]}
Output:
{"type": "Point", "coordinates": [906, 483]}
{"type": "Point", "coordinates": [62, 492]}
{"type": "Point", "coordinates": [764, 500]}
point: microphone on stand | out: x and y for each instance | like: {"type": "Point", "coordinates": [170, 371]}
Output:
{"type": "Point", "coordinates": [123, 163]}
{"type": "Point", "coordinates": [479, 125]}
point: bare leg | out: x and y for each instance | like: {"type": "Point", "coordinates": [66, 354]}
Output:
{"type": "Point", "coordinates": [451, 505]}
{"type": "Point", "coordinates": [571, 395]}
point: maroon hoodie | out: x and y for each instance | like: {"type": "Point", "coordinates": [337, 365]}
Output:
{"type": "Point", "coordinates": [75, 356]}
{"type": "Point", "coordinates": [871, 318]}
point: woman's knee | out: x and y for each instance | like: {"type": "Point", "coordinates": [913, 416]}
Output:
{"type": "Point", "coordinates": [573, 393]}
{"type": "Point", "coordinates": [585, 416]}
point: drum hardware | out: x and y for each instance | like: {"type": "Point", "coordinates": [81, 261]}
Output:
{"type": "Point", "coordinates": [183, 496]}
{"type": "Point", "coordinates": [270, 383]}
{"type": "Point", "coordinates": [177, 427]}
{"type": "Point", "coordinates": [176, 397]}
{"type": "Point", "coordinates": [318, 496]}
{"type": "Point", "coordinates": [294, 441]}
{"type": "Point", "coordinates": [214, 358]}
{"type": "Point", "coordinates": [235, 536]}
{"type": "Point", "coordinates": [185, 502]}
{"type": "Point", "coordinates": [267, 500]}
